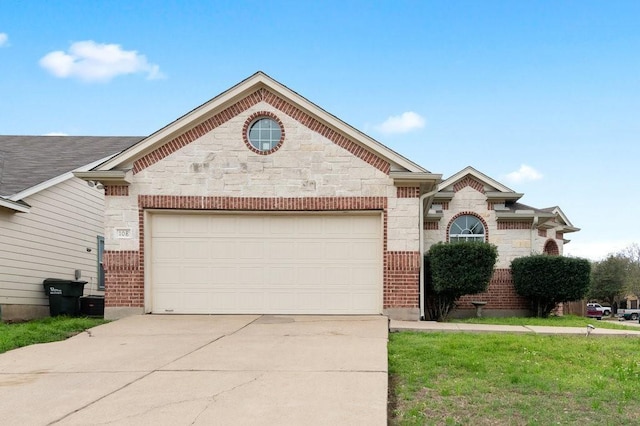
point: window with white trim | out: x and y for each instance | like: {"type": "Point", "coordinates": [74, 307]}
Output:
{"type": "Point", "coordinates": [466, 228]}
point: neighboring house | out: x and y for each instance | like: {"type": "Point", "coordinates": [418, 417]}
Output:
{"type": "Point", "coordinates": [470, 206]}
{"type": "Point", "coordinates": [51, 223]}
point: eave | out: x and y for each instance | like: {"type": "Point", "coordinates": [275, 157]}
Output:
{"type": "Point", "coordinates": [444, 195]}
{"type": "Point", "coordinates": [105, 177]}
{"type": "Point", "coordinates": [497, 195]}
{"type": "Point", "coordinates": [416, 179]}
{"type": "Point", "coordinates": [14, 206]}
{"type": "Point", "coordinates": [433, 216]}
{"type": "Point", "coordinates": [526, 215]}
{"type": "Point", "coordinates": [567, 229]}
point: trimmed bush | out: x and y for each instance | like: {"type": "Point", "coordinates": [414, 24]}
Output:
{"type": "Point", "coordinates": [453, 270]}
{"type": "Point", "coordinates": [548, 280]}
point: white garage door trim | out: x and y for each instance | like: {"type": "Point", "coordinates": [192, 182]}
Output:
{"type": "Point", "coordinates": [263, 262]}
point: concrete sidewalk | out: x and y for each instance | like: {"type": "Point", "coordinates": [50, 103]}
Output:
{"type": "Point", "coordinates": [433, 326]}
{"type": "Point", "coordinates": [203, 370]}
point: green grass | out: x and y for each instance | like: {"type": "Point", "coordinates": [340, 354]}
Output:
{"type": "Point", "coordinates": [44, 330]}
{"type": "Point", "coordinates": [512, 379]}
{"type": "Point", "coordinates": [563, 321]}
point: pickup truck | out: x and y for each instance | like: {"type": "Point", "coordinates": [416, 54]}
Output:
{"type": "Point", "coordinates": [596, 307]}
{"type": "Point", "coordinates": [592, 312]}
{"type": "Point", "coordinates": [629, 314]}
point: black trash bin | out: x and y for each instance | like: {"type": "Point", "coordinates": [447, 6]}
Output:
{"type": "Point", "coordinates": [64, 296]}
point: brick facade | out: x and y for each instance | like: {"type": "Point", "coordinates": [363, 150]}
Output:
{"type": "Point", "coordinates": [401, 274]}
{"type": "Point", "coordinates": [468, 181]}
{"type": "Point", "coordinates": [116, 190]}
{"type": "Point", "coordinates": [501, 295]}
{"type": "Point", "coordinates": [408, 192]}
{"type": "Point", "coordinates": [124, 278]}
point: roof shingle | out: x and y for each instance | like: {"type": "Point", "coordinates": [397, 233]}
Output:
{"type": "Point", "coordinates": [26, 161]}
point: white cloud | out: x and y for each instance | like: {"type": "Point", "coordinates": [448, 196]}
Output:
{"type": "Point", "coordinates": [97, 62]}
{"type": "Point", "coordinates": [55, 134]}
{"type": "Point", "coordinates": [4, 39]}
{"type": "Point", "coordinates": [523, 174]}
{"type": "Point", "coordinates": [403, 123]}
{"type": "Point", "coordinates": [594, 250]}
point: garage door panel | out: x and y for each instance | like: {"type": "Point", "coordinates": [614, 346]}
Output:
{"type": "Point", "coordinates": [279, 226]}
{"type": "Point", "coordinates": [282, 250]}
{"type": "Point", "coordinates": [197, 225]}
{"type": "Point", "coordinates": [309, 250]}
{"type": "Point", "coordinates": [338, 251]}
{"type": "Point", "coordinates": [196, 249]}
{"type": "Point", "coordinates": [168, 301]}
{"type": "Point", "coordinates": [251, 250]}
{"type": "Point", "coordinates": [168, 249]}
{"type": "Point", "coordinates": [222, 225]}
{"type": "Point", "coordinates": [365, 226]}
{"type": "Point", "coordinates": [167, 226]}
{"type": "Point", "coordinates": [254, 226]}
{"type": "Point", "coordinates": [195, 275]}
{"type": "Point", "coordinates": [234, 263]}
{"type": "Point", "coordinates": [361, 277]}
{"type": "Point", "coordinates": [364, 250]}
{"type": "Point", "coordinates": [246, 276]}
{"type": "Point", "coordinates": [168, 274]}
{"type": "Point", "coordinates": [280, 276]}
{"type": "Point", "coordinates": [223, 249]}
{"type": "Point", "coordinates": [312, 225]}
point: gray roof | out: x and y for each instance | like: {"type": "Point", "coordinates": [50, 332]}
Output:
{"type": "Point", "coordinates": [26, 161]}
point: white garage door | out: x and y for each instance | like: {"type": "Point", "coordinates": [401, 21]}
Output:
{"type": "Point", "coordinates": [266, 264]}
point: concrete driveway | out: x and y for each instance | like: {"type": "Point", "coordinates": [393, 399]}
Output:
{"type": "Point", "coordinates": [203, 370]}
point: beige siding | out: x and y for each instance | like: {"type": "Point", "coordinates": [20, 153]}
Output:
{"type": "Point", "coordinates": [51, 241]}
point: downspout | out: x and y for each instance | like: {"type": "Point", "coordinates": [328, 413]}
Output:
{"type": "Point", "coordinates": [421, 242]}
{"type": "Point", "coordinates": [534, 225]}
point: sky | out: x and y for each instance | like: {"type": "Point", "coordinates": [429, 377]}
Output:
{"type": "Point", "coordinates": [543, 96]}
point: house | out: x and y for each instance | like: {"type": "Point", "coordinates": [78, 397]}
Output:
{"type": "Point", "coordinates": [51, 223]}
{"type": "Point", "coordinates": [470, 206]}
{"type": "Point", "coordinates": [261, 202]}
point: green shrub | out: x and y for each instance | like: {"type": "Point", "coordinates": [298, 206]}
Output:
{"type": "Point", "coordinates": [548, 280]}
{"type": "Point", "coordinates": [453, 270]}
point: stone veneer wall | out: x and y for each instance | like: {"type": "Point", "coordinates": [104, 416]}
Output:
{"type": "Point", "coordinates": [210, 168]}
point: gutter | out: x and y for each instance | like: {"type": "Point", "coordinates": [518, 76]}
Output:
{"type": "Point", "coordinates": [534, 225]}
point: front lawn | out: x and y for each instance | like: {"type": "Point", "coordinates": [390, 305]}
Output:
{"type": "Point", "coordinates": [512, 379]}
{"type": "Point", "coordinates": [44, 330]}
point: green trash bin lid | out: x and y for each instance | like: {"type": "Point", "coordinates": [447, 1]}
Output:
{"type": "Point", "coordinates": [62, 287]}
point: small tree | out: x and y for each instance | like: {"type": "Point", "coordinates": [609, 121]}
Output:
{"type": "Point", "coordinates": [632, 277]}
{"type": "Point", "coordinates": [453, 270]}
{"type": "Point", "coordinates": [548, 280]}
{"type": "Point", "coordinates": [608, 278]}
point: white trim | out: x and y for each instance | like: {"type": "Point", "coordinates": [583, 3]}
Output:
{"type": "Point", "coordinates": [54, 181]}
{"type": "Point", "coordinates": [12, 205]}
{"type": "Point", "coordinates": [478, 175]}
{"type": "Point", "coordinates": [236, 93]}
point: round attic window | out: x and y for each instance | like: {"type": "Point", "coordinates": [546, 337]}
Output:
{"type": "Point", "coordinates": [263, 133]}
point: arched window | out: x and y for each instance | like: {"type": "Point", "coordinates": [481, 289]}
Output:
{"type": "Point", "coordinates": [466, 228]}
